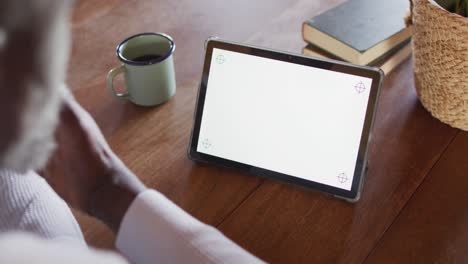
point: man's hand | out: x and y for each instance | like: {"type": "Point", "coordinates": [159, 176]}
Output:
{"type": "Point", "coordinates": [85, 172]}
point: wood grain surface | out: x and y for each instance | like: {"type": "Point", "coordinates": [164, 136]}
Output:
{"type": "Point", "coordinates": [278, 222]}
{"type": "Point", "coordinates": [433, 226]}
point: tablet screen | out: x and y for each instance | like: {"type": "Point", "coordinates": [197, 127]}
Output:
{"type": "Point", "coordinates": [284, 117]}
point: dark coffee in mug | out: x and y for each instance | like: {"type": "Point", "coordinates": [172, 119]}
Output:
{"type": "Point", "coordinates": [148, 69]}
{"type": "Point", "coordinates": [148, 57]}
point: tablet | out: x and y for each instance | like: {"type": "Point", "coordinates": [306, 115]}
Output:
{"type": "Point", "coordinates": [298, 119]}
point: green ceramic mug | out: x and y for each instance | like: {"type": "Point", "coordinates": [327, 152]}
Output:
{"type": "Point", "coordinates": [148, 68]}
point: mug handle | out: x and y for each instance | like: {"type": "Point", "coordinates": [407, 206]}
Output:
{"type": "Point", "coordinates": [110, 82]}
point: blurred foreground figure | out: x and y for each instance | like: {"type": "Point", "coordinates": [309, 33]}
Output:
{"type": "Point", "coordinates": [45, 129]}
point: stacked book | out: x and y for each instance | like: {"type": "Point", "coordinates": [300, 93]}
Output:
{"type": "Point", "coordinates": [364, 32]}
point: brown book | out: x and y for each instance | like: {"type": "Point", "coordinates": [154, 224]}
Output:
{"type": "Point", "coordinates": [387, 62]}
{"type": "Point", "coordinates": [359, 31]}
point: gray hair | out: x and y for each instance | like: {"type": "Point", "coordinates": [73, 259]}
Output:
{"type": "Point", "coordinates": [33, 56]}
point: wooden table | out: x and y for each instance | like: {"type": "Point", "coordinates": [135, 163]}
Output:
{"type": "Point", "coordinates": [414, 208]}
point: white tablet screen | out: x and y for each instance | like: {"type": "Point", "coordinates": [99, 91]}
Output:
{"type": "Point", "coordinates": [289, 118]}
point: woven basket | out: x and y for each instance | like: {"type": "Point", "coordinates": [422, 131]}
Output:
{"type": "Point", "coordinates": [440, 51]}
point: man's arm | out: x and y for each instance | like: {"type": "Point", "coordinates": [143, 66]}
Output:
{"type": "Point", "coordinates": [85, 172]}
{"type": "Point", "coordinates": [149, 227]}
{"type": "Point", "coordinates": [155, 230]}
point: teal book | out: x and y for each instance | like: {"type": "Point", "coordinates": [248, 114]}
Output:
{"type": "Point", "coordinates": [359, 31]}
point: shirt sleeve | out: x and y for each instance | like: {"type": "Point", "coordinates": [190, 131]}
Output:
{"type": "Point", "coordinates": [155, 230]}
{"type": "Point", "coordinates": [28, 204]}
{"type": "Point", "coordinates": [23, 248]}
